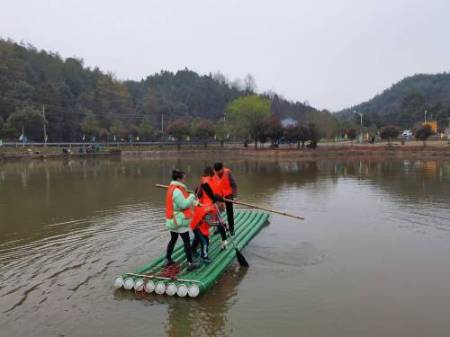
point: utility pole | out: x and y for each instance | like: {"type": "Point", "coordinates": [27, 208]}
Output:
{"type": "Point", "coordinates": [361, 139]}
{"type": "Point", "coordinates": [361, 125]}
{"type": "Point", "coordinates": [45, 124]}
{"type": "Point", "coordinates": [162, 123]}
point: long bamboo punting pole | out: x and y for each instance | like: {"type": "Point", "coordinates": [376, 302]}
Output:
{"type": "Point", "coordinates": [251, 206]}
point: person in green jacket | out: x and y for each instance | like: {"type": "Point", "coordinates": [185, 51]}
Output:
{"type": "Point", "coordinates": [179, 203]}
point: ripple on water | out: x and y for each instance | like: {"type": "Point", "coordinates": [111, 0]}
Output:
{"type": "Point", "coordinates": [73, 259]}
{"type": "Point", "coordinates": [289, 256]}
{"type": "Point", "coordinates": [421, 216]}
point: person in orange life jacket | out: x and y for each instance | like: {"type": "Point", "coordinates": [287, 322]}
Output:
{"type": "Point", "coordinates": [228, 188]}
{"type": "Point", "coordinates": [212, 183]}
{"type": "Point", "coordinates": [200, 226]}
{"type": "Point", "coordinates": [208, 196]}
{"type": "Point", "coordinates": [205, 217]}
{"type": "Point", "coordinates": [179, 205]}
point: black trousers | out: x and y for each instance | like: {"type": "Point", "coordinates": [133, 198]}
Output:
{"type": "Point", "coordinates": [222, 232]}
{"type": "Point", "coordinates": [230, 213]}
{"type": "Point", "coordinates": [186, 243]}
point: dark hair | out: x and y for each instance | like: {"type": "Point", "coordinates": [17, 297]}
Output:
{"type": "Point", "coordinates": [208, 171]}
{"type": "Point", "coordinates": [218, 166]}
{"type": "Point", "coordinates": [177, 174]}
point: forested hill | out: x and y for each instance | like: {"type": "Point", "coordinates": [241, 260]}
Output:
{"type": "Point", "coordinates": [180, 94]}
{"type": "Point", "coordinates": [78, 99]}
{"type": "Point", "coordinates": [404, 103]}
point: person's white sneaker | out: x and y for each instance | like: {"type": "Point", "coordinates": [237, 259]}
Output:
{"type": "Point", "coordinates": [224, 245]}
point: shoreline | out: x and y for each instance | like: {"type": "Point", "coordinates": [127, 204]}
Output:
{"type": "Point", "coordinates": [44, 156]}
{"type": "Point", "coordinates": [322, 151]}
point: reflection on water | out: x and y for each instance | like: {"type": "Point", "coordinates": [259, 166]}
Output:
{"type": "Point", "coordinates": [209, 315]}
{"type": "Point", "coordinates": [205, 316]}
{"type": "Point", "coordinates": [67, 227]}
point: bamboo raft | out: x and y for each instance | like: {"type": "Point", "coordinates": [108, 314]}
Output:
{"type": "Point", "coordinates": [177, 280]}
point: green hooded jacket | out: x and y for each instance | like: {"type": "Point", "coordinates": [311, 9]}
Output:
{"type": "Point", "coordinates": [180, 203]}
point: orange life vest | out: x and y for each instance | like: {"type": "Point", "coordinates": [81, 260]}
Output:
{"type": "Point", "coordinates": [169, 201]}
{"type": "Point", "coordinates": [198, 220]}
{"type": "Point", "coordinates": [214, 185]}
{"type": "Point", "coordinates": [225, 183]}
{"type": "Point", "coordinates": [204, 228]}
{"type": "Point", "coordinates": [205, 199]}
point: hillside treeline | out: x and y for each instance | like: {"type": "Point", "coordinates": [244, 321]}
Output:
{"type": "Point", "coordinates": [404, 104]}
{"type": "Point", "coordinates": [76, 102]}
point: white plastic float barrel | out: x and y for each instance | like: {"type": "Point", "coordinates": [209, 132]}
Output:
{"type": "Point", "coordinates": [171, 289]}
{"type": "Point", "coordinates": [160, 288]}
{"type": "Point", "coordinates": [149, 287]}
{"type": "Point", "coordinates": [139, 285]}
{"type": "Point", "coordinates": [194, 290]}
{"type": "Point", "coordinates": [118, 282]}
{"type": "Point", "coordinates": [128, 284]}
{"type": "Point", "coordinates": [182, 290]}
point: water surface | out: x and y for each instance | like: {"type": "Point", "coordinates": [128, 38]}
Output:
{"type": "Point", "coordinates": [371, 258]}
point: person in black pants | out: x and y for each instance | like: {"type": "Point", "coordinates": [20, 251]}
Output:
{"type": "Point", "coordinates": [179, 203]}
{"type": "Point", "coordinates": [186, 244]}
{"type": "Point", "coordinates": [228, 188]}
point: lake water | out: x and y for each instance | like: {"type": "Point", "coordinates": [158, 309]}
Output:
{"type": "Point", "coordinates": [372, 257]}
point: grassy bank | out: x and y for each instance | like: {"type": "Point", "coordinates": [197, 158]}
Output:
{"type": "Point", "coordinates": [330, 150]}
{"type": "Point", "coordinates": [412, 150]}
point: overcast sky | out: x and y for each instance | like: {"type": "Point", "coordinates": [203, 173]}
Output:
{"type": "Point", "coordinates": [333, 53]}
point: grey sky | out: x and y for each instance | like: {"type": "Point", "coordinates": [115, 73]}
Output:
{"type": "Point", "coordinates": [332, 53]}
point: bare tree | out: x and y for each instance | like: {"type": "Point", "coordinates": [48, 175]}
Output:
{"type": "Point", "coordinates": [249, 84]}
{"type": "Point", "coordinates": [220, 77]}
{"type": "Point", "coordinates": [236, 84]}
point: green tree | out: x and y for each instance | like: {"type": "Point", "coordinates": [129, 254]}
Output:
{"type": "Point", "coordinates": [202, 130]}
{"type": "Point", "coordinates": [117, 129]}
{"type": "Point", "coordinates": [222, 131]}
{"type": "Point", "coordinates": [146, 130]}
{"type": "Point", "coordinates": [314, 135]}
{"type": "Point", "coordinates": [132, 132]}
{"type": "Point", "coordinates": [411, 109]}
{"type": "Point", "coordinates": [290, 135]}
{"type": "Point", "coordinates": [262, 136]}
{"type": "Point", "coordinates": [273, 129]}
{"type": "Point", "coordinates": [9, 132]}
{"type": "Point", "coordinates": [389, 132]}
{"type": "Point", "coordinates": [111, 98]}
{"type": "Point", "coordinates": [90, 125]}
{"type": "Point", "coordinates": [326, 123]}
{"type": "Point", "coordinates": [247, 114]}
{"type": "Point", "coordinates": [441, 113]}
{"type": "Point", "coordinates": [103, 134]}
{"type": "Point", "coordinates": [179, 130]}
{"type": "Point", "coordinates": [29, 120]}
{"type": "Point", "coordinates": [21, 90]}
{"type": "Point", "coordinates": [298, 134]}
{"type": "Point", "coordinates": [351, 134]}
{"type": "Point", "coordinates": [422, 133]}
